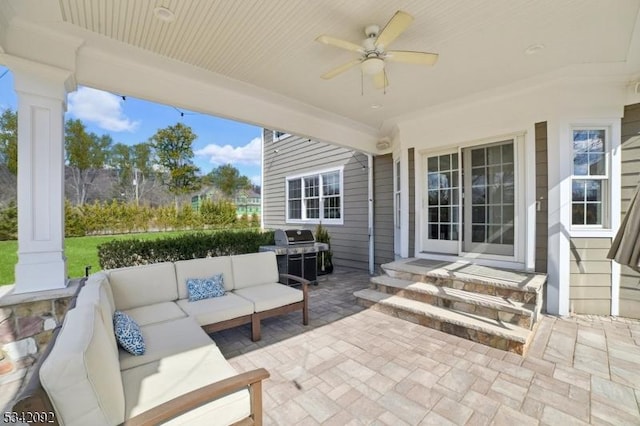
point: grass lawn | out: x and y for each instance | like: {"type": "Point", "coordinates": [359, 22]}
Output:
{"type": "Point", "coordinates": [80, 252]}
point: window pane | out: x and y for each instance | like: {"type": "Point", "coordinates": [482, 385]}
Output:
{"type": "Point", "coordinates": [332, 208]}
{"type": "Point", "coordinates": [508, 194]}
{"type": "Point", "coordinates": [597, 164]}
{"type": "Point", "coordinates": [445, 197]}
{"type": "Point", "coordinates": [454, 161]}
{"type": "Point", "coordinates": [433, 214]}
{"type": "Point", "coordinates": [478, 215]}
{"type": "Point", "coordinates": [594, 190]}
{"type": "Point", "coordinates": [433, 180]}
{"type": "Point", "coordinates": [507, 153]}
{"type": "Point", "coordinates": [507, 236]}
{"type": "Point", "coordinates": [433, 232]}
{"type": "Point", "coordinates": [331, 183]}
{"type": "Point", "coordinates": [445, 214]}
{"type": "Point", "coordinates": [295, 209]}
{"type": "Point", "coordinates": [580, 164]}
{"type": "Point", "coordinates": [445, 232]}
{"type": "Point", "coordinates": [478, 195]}
{"type": "Point", "coordinates": [494, 155]}
{"type": "Point", "coordinates": [295, 189]}
{"type": "Point", "coordinates": [495, 175]}
{"type": "Point", "coordinates": [495, 214]}
{"type": "Point", "coordinates": [495, 195]}
{"type": "Point", "coordinates": [432, 164]}
{"type": "Point", "coordinates": [433, 198]}
{"type": "Point", "coordinates": [577, 214]}
{"type": "Point", "coordinates": [495, 234]}
{"type": "Point", "coordinates": [445, 162]}
{"type": "Point", "coordinates": [477, 233]}
{"type": "Point", "coordinates": [578, 191]}
{"type": "Point", "coordinates": [313, 208]}
{"type": "Point", "coordinates": [477, 157]}
{"type": "Point", "coordinates": [311, 186]}
{"type": "Point", "coordinates": [594, 213]}
{"type": "Point", "coordinates": [478, 176]}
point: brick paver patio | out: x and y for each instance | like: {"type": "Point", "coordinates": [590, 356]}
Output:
{"type": "Point", "coordinates": [355, 366]}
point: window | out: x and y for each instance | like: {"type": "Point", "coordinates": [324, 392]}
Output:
{"type": "Point", "coordinates": [590, 180]}
{"type": "Point", "coordinates": [315, 197]}
{"type": "Point", "coordinates": [278, 135]}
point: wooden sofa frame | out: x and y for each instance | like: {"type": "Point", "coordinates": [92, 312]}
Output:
{"type": "Point", "coordinates": [256, 317]}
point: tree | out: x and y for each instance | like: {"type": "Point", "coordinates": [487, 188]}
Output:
{"type": "Point", "coordinates": [9, 140]}
{"type": "Point", "coordinates": [173, 151]}
{"type": "Point", "coordinates": [86, 154]}
{"type": "Point", "coordinates": [228, 179]}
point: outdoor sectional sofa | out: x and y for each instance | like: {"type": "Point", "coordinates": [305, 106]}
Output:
{"type": "Point", "coordinates": [182, 376]}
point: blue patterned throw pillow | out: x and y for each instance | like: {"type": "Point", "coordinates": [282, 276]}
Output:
{"type": "Point", "coordinates": [205, 288]}
{"type": "Point", "coordinates": [128, 333]}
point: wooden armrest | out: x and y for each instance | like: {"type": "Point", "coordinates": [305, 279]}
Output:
{"type": "Point", "coordinates": [198, 397]}
{"type": "Point", "coordinates": [301, 280]}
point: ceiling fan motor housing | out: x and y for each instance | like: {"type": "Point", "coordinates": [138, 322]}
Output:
{"type": "Point", "coordinates": [372, 31]}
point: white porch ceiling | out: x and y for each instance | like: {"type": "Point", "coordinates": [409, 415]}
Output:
{"type": "Point", "coordinates": [270, 44]}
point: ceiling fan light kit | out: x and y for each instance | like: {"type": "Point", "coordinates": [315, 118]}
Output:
{"type": "Point", "coordinates": [372, 53]}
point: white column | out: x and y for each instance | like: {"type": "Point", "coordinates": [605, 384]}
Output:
{"type": "Point", "coordinates": [41, 94]}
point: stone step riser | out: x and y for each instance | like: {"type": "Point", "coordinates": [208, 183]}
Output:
{"type": "Point", "coordinates": [497, 342]}
{"type": "Point", "coordinates": [521, 320]}
{"type": "Point", "coordinates": [529, 297]}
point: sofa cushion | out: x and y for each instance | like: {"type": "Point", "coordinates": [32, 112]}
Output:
{"type": "Point", "coordinates": [97, 292]}
{"type": "Point", "coordinates": [254, 269]}
{"type": "Point", "coordinates": [143, 285]}
{"type": "Point", "coordinates": [205, 288]}
{"type": "Point", "coordinates": [158, 312]}
{"type": "Point", "coordinates": [209, 311]}
{"type": "Point", "coordinates": [81, 374]}
{"type": "Point", "coordinates": [270, 296]}
{"type": "Point", "coordinates": [203, 268]}
{"type": "Point", "coordinates": [167, 338]}
{"type": "Point", "coordinates": [152, 384]}
{"type": "Point", "coordinates": [128, 333]}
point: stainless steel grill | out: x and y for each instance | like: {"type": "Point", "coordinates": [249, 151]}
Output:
{"type": "Point", "coordinates": [297, 253]}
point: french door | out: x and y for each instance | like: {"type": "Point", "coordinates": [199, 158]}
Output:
{"type": "Point", "coordinates": [469, 203]}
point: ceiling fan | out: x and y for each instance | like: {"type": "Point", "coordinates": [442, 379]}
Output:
{"type": "Point", "coordinates": [373, 53]}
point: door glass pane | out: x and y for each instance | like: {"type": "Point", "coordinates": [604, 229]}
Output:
{"type": "Point", "coordinates": [442, 197]}
{"type": "Point", "coordinates": [492, 201]}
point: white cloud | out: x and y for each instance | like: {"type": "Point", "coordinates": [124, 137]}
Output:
{"type": "Point", "coordinates": [101, 108]}
{"type": "Point", "coordinates": [248, 154]}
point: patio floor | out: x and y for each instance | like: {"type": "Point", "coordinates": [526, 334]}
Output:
{"type": "Point", "coordinates": [356, 366]}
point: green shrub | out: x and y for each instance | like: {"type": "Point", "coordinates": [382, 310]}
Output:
{"type": "Point", "coordinates": [9, 222]}
{"type": "Point", "coordinates": [74, 223]}
{"type": "Point", "coordinates": [133, 252]}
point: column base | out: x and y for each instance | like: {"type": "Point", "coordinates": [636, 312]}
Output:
{"type": "Point", "coordinates": [38, 272]}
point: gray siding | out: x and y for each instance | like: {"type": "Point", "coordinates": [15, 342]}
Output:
{"type": "Point", "coordinates": [295, 156]}
{"type": "Point", "coordinates": [542, 193]}
{"type": "Point", "coordinates": [629, 279]}
{"type": "Point", "coordinates": [412, 202]}
{"type": "Point", "coordinates": [383, 208]}
{"type": "Point", "coordinates": [590, 279]}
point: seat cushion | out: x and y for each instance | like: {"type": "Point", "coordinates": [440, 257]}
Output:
{"type": "Point", "coordinates": [209, 311]}
{"type": "Point", "coordinates": [254, 269]}
{"type": "Point", "coordinates": [143, 285]}
{"type": "Point", "coordinates": [270, 296]}
{"type": "Point", "coordinates": [166, 338]}
{"type": "Point", "coordinates": [152, 384]}
{"type": "Point", "coordinates": [158, 312]}
{"type": "Point", "coordinates": [97, 292]}
{"type": "Point", "coordinates": [203, 268]}
{"type": "Point", "coordinates": [81, 374]}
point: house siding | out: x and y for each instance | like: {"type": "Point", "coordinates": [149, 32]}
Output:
{"type": "Point", "coordinates": [295, 156]}
{"type": "Point", "coordinates": [542, 194]}
{"type": "Point", "coordinates": [383, 208]}
{"type": "Point", "coordinates": [629, 279]}
{"type": "Point", "coordinates": [412, 202]}
{"type": "Point", "coordinates": [590, 276]}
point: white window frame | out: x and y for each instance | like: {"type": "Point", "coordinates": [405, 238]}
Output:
{"type": "Point", "coordinates": [280, 137]}
{"type": "Point", "coordinates": [318, 174]}
{"type": "Point", "coordinates": [606, 178]}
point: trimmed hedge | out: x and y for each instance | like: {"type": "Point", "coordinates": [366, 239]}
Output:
{"type": "Point", "coordinates": [134, 252]}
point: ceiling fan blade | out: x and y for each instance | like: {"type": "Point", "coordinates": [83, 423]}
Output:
{"type": "Point", "coordinates": [336, 42]}
{"type": "Point", "coordinates": [339, 70]}
{"type": "Point", "coordinates": [396, 26]}
{"type": "Point", "coordinates": [380, 80]}
{"type": "Point", "coordinates": [409, 57]}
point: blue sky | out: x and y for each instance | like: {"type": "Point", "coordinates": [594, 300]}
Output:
{"type": "Point", "coordinates": [132, 121]}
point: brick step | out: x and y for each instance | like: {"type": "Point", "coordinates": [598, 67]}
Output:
{"type": "Point", "coordinates": [494, 333]}
{"type": "Point", "coordinates": [514, 285]}
{"type": "Point", "coordinates": [492, 307]}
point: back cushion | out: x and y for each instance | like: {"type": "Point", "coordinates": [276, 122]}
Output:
{"type": "Point", "coordinates": [143, 285]}
{"type": "Point", "coordinates": [254, 269]}
{"type": "Point", "coordinates": [97, 291]}
{"type": "Point", "coordinates": [81, 375]}
{"type": "Point", "coordinates": [203, 268]}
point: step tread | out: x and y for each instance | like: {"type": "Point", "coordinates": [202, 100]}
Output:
{"type": "Point", "coordinates": [469, 272]}
{"type": "Point", "coordinates": [486, 300]}
{"type": "Point", "coordinates": [472, 321]}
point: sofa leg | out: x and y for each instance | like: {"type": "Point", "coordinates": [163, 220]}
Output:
{"type": "Point", "coordinates": [255, 328]}
{"type": "Point", "coordinates": [305, 313]}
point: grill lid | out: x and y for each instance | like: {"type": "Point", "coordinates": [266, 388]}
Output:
{"type": "Point", "coordinates": [288, 237]}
